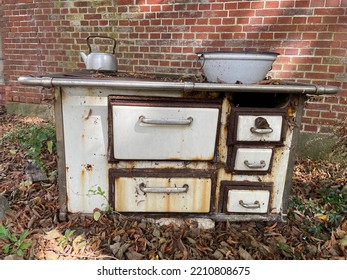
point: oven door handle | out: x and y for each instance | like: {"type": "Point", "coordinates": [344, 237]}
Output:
{"type": "Point", "coordinates": [254, 205]}
{"type": "Point", "coordinates": [145, 120]}
{"type": "Point", "coordinates": [145, 189]}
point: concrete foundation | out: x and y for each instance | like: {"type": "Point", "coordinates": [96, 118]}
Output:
{"type": "Point", "coordinates": [44, 111]}
{"type": "Point", "coordinates": [316, 146]}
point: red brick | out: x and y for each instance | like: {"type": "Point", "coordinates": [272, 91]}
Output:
{"type": "Point", "coordinates": [331, 11]}
{"type": "Point", "coordinates": [333, 3]}
{"type": "Point", "coordinates": [271, 4]}
{"type": "Point", "coordinates": [269, 12]}
{"type": "Point", "coordinates": [230, 5]}
{"type": "Point", "coordinates": [257, 4]}
{"type": "Point", "coordinates": [291, 52]}
{"type": "Point", "coordinates": [129, 2]}
{"type": "Point", "coordinates": [167, 8]}
{"type": "Point", "coordinates": [311, 113]}
{"type": "Point", "coordinates": [329, 115]}
{"type": "Point", "coordinates": [309, 128]}
{"type": "Point", "coordinates": [252, 36]}
{"type": "Point", "coordinates": [206, 7]}
{"type": "Point", "coordinates": [242, 20]}
{"type": "Point", "coordinates": [243, 5]}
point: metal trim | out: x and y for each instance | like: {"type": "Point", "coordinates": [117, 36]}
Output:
{"type": "Point", "coordinates": [287, 87]}
{"type": "Point", "coordinates": [59, 126]}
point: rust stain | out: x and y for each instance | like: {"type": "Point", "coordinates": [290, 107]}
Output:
{"type": "Point", "coordinates": [83, 136]}
{"type": "Point", "coordinates": [168, 203]}
{"type": "Point", "coordinates": [90, 92]}
{"type": "Point", "coordinates": [293, 105]}
{"type": "Point", "coordinates": [88, 167]}
{"type": "Point", "coordinates": [118, 195]}
{"type": "Point", "coordinates": [211, 157]}
{"type": "Point", "coordinates": [174, 158]}
{"type": "Point", "coordinates": [168, 198]}
{"type": "Point", "coordinates": [201, 95]}
{"type": "Point", "coordinates": [63, 94]}
{"type": "Point", "coordinates": [88, 114]}
{"type": "Point", "coordinates": [196, 200]}
{"type": "Point", "coordinates": [82, 177]}
{"type": "Point", "coordinates": [291, 111]}
{"type": "Point", "coordinates": [82, 186]}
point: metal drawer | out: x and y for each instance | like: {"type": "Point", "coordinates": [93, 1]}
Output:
{"type": "Point", "coordinates": [253, 126]}
{"type": "Point", "coordinates": [243, 198]}
{"type": "Point", "coordinates": [163, 193]}
{"type": "Point", "coordinates": [164, 131]}
{"type": "Point", "coordinates": [251, 160]}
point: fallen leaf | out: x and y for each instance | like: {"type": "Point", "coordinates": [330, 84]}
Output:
{"type": "Point", "coordinates": [156, 233]}
{"type": "Point", "coordinates": [323, 217]}
{"type": "Point", "coordinates": [133, 255]}
{"type": "Point", "coordinates": [50, 146]}
{"type": "Point", "coordinates": [340, 233]}
{"type": "Point", "coordinates": [50, 255]}
{"type": "Point", "coordinates": [281, 239]}
{"type": "Point", "coordinates": [218, 255]}
{"type": "Point", "coordinates": [96, 215]}
{"type": "Point", "coordinates": [191, 240]}
{"type": "Point", "coordinates": [343, 241]}
{"type": "Point", "coordinates": [53, 234]}
{"type": "Point", "coordinates": [244, 254]}
{"type": "Point", "coordinates": [78, 242]}
{"type": "Point", "coordinates": [122, 250]}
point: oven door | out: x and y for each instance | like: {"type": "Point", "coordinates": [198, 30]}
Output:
{"type": "Point", "coordinates": [164, 130]}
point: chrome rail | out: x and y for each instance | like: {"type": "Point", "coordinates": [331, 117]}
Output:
{"type": "Point", "coordinates": [297, 88]}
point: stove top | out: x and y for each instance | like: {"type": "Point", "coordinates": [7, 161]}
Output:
{"type": "Point", "coordinates": [118, 75]}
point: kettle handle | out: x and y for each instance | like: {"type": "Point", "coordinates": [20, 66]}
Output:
{"type": "Point", "coordinates": [104, 37]}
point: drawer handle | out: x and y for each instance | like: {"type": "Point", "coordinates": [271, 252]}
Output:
{"type": "Point", "coordinates": [261, 164]}
{"type": "Point", "coordinates": [255, 205]}
{"type": "Point", "coordinates": [145, 189]}
{"type": "Point", "coordinates": [145, 120]}
{"type": "Point", "coordinates": [261, 126]}
{"type": "Point", "coordinates": [261, 130]}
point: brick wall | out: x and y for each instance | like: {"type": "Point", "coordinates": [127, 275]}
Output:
{"type": "Point", "coordinates": [46, 36]}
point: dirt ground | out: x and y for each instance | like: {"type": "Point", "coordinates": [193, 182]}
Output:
{"type": "Point", "coordinates": [316, 227]}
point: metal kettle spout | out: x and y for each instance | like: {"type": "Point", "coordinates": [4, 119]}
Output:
{"type": "Point", "coordinates": [84, 57]}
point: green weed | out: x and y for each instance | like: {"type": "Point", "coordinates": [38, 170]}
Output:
{"type": "Point", "coordinates": [35, 139]}
{"type": "Point", "coordinates": [98, 191]}
{"type": "Point", "coordinates": [14, 244]}
{"type": "Point", "coordinates": [66, 237]}
{"type": "Point", "coordinates": [323, 213]}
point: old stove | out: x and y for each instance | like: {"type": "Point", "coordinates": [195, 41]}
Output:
{"type": "Point", "coordinates": [162, 146]}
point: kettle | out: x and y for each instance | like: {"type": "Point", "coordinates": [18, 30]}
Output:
{"type": "Point", "coordinates": [100, 61]}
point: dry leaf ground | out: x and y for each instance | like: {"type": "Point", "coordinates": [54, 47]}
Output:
{"type": "Point", "coordinates": [316, 226]}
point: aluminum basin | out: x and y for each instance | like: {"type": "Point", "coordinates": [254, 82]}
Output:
{"type": "Point", "coordinates": [236, 67]}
